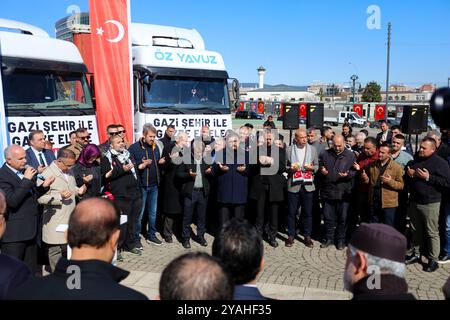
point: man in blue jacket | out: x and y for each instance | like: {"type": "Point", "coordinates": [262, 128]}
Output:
{"type": "Point", "coordinates": [146, 155]}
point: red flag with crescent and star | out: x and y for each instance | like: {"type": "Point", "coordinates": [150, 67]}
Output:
{"type": "Point", "coordinates": [303, 110]}
{"type": "Point", "coordinates": [111, 48]}
{"type": "Point", "coordinates": [358, 108]}
{"type": "Point", "coordinates": [380, 111]}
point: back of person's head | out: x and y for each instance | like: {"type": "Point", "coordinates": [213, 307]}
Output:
{"type": "Point", "coordinates": [94, 223]}
{"type": "Point", "coordinates": [372, 247]}
{"type": "Point", "coordinates": [195, 276]}
{"type": "Point", "coordinates": [240, 248]}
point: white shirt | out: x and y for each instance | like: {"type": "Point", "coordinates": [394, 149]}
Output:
{"type": "Point", "coordinates": [36, 153]}
{"type": "Point", "coordinates": [17, 172]}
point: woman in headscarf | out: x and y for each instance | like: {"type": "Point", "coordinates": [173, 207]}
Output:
{"type": "Point", "coordinates": [87, 171]}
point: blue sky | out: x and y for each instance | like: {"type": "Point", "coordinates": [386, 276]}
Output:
{"type": "Point", "coordinates": [296, 41]}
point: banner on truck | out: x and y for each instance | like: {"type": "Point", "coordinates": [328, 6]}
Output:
{"type": "Point", "coordinates": [111, 48]}
{"type": "Point", "coordinates": [56, 129]}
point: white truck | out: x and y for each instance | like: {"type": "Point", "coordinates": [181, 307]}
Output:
{"type": "Point", "coordinates": [43, 86]}
{"type": "Point", "coordinates": [177, 82]}
{"type": "Point", "coordinates": [334, 118]}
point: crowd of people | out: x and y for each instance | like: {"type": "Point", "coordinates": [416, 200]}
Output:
{"type": "Point", "coordinates": [252, 183]}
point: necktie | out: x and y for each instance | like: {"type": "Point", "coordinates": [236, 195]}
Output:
{"type": "Point", "coordinates": [19, 174]}
{"type": "Point", "coordinates": [41, 159]}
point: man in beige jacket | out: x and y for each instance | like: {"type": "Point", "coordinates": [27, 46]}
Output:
{"type": "Point", "coordinates": [385, 180]}
{"type": "Point", "coordinates": [59, 203]}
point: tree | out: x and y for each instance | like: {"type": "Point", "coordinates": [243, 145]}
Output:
{"type": "Point", "coordinates": [372, 92]}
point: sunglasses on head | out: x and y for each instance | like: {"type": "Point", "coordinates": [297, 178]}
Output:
{"type": "Point", "coordinates": [117, 133]}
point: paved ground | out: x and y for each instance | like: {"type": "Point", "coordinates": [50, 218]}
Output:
{"type": "Point", "coordinates": [290, 273]}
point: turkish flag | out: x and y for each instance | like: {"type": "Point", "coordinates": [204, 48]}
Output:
{"type": "Point", "coordinates": [380, 112]}
{"type": "Point", "coordinates": [111, 48]}
{"type": "Point", "coordinates": [358, 108]}
{"type": "Point", "coordinates": [303, 111]}
{"type": "Point", "coordinates": [260, 107]}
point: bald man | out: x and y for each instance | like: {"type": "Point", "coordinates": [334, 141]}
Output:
{"type": "Point", "coordinates": [19, 184]}
{"type": "Point", "coordinates": [195, 276]}
{"type": "Point", "coordinates": [93, 235]}
{"type": "Point", "coordinates": [302, 159]}
{"type": "Point", "coordinates": [336, 173]}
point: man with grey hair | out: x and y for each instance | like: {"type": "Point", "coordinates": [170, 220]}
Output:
{"type": "Point", "coordinates": [442, 149]}
{"type": "Point", "coordinates": [18, 181]}
{"type": "Point", "coordinates": [313, 141]}
{"type": "Point", "coordinates": [146, 154]}
{"type": "Point", "coordinates": [375, 268]}
{"type": "Point", "coordinates": [359, 147]}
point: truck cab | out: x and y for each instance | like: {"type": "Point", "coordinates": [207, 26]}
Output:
{"type": "Point", "coordinates": [43, 86]}
{"type": "Point", "coordinates": [178, 82]}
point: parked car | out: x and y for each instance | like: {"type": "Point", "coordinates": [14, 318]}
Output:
{"type": "Point", "coordinates": [390, 122]}
{"type": "Point", "coordinates": [246, 114]}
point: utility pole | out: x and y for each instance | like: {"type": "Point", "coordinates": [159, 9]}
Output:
{"type": "Point", "coordinates": [354, 78]}
{"type": "Point", "coordinates": [448, 82]}
{"type": "Point", "coordinates": [388, 65]}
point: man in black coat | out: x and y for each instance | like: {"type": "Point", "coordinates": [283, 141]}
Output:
{"type": "Point", "coordinates": [194, 191]}
{"type": "Point", "coordinates": [22, 214]}
{"type": "Point", "coordinates": [375, 269]}
{"type": "Point", "coordinates": [428, 177]}
{"type": "Point", "coordinates": [12, 271]}
{"type": "Point", "coordinates": [385, 135]}
{"type": "Point", "coordinates": [93, 235]}
{"type": "Point", "coordinates": [240, 248]}
{"type": "Point", "coordinates": [337, 174]}
{"type": "Point", "coordinates": [268, 185]}
{"type": "Point", "coordinates": [168, 136]}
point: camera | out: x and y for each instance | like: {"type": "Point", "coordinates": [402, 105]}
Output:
{"type": "Point", "coordinates": [440, 108]}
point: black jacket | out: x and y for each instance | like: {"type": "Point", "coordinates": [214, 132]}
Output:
{"type": "Point", "coordinates": [12, 274]}
{"type": "Point", "coordinates": [388, 137]}
{"type": "Point", "coordinates": [94, 187]}
{"type": "Point", "coordinates": [122, 184]}
{"type": "Point", "coordinates": [99, 281]}
{"type": "Point", "coordinates": [22, 211]}
{"type": "Point", "coordinates": [425, 192]}
{"type": "Point", "coordinates": [391, 288]}
{"type": "Point", "coordinates": [277, 182]}
{"type": "Point", "coordinates": [182, 173]}
{"type": "Point", "coordinates": [333, 186]}
{"type": "Point", "coordinates": [171, 185]}
{"type": "Point", "coordinates": [150, 176]}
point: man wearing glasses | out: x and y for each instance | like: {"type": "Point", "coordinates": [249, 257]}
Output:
{"type": "Point", "coordinates": [83, 139]}
{"type": "Point", "coordinates": [111, 131]}
{"type": "Point", "coordinates": [121, 133]}
{"type": "Point", "coordinates": [59, 203]}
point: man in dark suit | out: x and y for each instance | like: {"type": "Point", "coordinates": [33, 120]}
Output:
{"type": "Point", "coordinates": [12, 271]}
{"type": "Point", "coordinates": [240, 248]}
{"type": "Point", "coordinates": [195, 191]}
{"type": "Point", "coordinates": [19, 185]}
{"type": "Point", "coordinates": [93, 235]}
{"type": "Point", "coordinates": [37, 156]}
{"type": "Point", "coordinates": [385, 135]}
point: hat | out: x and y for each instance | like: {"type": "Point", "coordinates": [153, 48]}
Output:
{"type": "Point", "coordinates": [380, 240]}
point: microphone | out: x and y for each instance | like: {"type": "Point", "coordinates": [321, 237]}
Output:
{"type": "Point", "coordinates": [37, 174]}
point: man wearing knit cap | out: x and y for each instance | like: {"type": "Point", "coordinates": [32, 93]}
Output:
{"type": "Point", "coordinates": [375, 268]}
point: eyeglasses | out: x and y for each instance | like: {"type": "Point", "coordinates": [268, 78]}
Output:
{"type": "Point", "coordinates": [117, 133]}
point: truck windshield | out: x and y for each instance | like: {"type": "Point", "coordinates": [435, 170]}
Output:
{"type": "Point", "coordinates": [185, 93]}
{"type": "Point", "coordinates": [45, 90]}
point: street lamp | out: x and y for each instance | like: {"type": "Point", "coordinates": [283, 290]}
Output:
{"type": "Point", "coordinates": [354, 78]}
